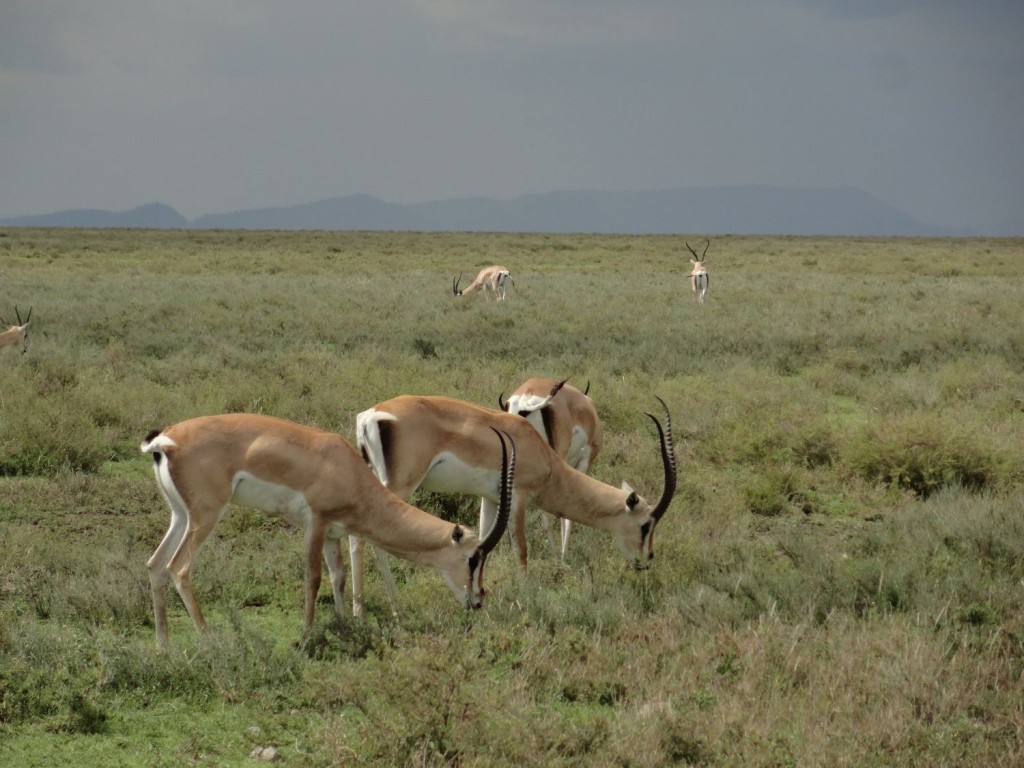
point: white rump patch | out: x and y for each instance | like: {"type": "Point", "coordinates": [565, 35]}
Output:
{"type": "Point", "coordinates": [368, 439]}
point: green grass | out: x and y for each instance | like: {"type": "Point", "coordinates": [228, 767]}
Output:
{"type": "Point", "coordinates": [837, 582]}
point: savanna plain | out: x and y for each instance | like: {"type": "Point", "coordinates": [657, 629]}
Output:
{"type": "Point", "coordinates": [838, 581]}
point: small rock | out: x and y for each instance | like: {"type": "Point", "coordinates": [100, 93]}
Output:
{"type": "Point", "coordinates": [266, 754]}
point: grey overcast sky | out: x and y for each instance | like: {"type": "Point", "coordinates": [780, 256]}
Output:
{"type": "Point", "coordinates": [217, 105]}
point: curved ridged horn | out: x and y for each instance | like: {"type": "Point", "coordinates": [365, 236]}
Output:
{"type": "Point", "coordinates": [668, 458]}
{"type": "Point", "coordinates": [695, 256]}
{"type": "Point", "coordinates": [502, 405]}
{"type": "Point", "coordinates": [508, 473]}
{"type": "Point", "coordinates": [455, 285]}
{"type": "Point", "coordinates": [16, 312]}
{"type": "Point", "coordinates": [555, 389]}
{"type": "Point", "coordinates": [586, 391]}
{"type": "Point", "coordinates": [705, 250]}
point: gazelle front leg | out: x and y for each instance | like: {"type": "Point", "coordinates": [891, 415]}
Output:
{"type": "Point", "coordinates": [355, 550]}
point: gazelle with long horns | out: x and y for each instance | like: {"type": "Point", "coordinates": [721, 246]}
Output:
{"type": "Point", "coordinates": [699, 279]}
{"type": "Point", "coordinates": [16, 334]}
{"type": "Point", "coordinates": [493, 281]}
{"type": "Point", "coordinates": [313, 479]}
{"type": "Point", "coordinates": [440, 444]}
{"type": "Point", "coordinates": [567, 420]}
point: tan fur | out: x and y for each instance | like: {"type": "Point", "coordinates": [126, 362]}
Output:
{"type": "Point", "coordinates": [488, 279]}
{"type": "Point", "coordinates": [205, 456]}
{"type": "Point", "coordinates": [424, 429]}
{"type": "Point", "coordinates": [16, 334]}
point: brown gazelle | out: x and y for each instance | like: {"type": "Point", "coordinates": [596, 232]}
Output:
{"type": "Point", "coordinates": [314, 479]}
{"type": "Point", "coordinates": [439, 444]}
{"type": "Point", "coordinates": [493, 281]}
{"type": "Point", "coordinates": [567, 419]}
{"type": "Point", "coordinates": [699, 279]}
{"type": "Point", "coordinates": [16, 334]}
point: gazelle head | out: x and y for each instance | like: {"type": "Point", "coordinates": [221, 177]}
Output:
{"type": "Point", "coordinates": [635, 529]}
{"type": "Point", "coordinates": [466, 578]}
{"type": "Point", "coordinates": [16, 334]}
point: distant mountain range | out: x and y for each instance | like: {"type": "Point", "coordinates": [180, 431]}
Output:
{"type": "Point", "coordinates": [711, 210]}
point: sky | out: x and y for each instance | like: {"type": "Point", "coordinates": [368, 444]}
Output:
{"type": "Point", "coordinates": [213, 106]}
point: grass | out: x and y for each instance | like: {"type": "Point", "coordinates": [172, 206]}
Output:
{"type": "Point", "coordinates": [838, 581]}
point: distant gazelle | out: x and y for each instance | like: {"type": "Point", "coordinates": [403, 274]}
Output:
{"type": "Point", "coordinates": [313, 479]}
{"type": "Point", "coordinates": [699, 279]}
{"type": "Point", "coordinates": [16, 334]}
{"type": "Point", "coordinates": [493, 281]}
{"type": "Point", "coordinates": [567, 419]}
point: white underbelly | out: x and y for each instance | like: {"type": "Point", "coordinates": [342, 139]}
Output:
{"type": "Point", "coordinates": [450, 474]}
{"type": "Point", "coordinates": [277, 499]}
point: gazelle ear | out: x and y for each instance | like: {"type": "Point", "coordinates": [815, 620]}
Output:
{"type": "Point", "coordinates": [457, 534]}
{"type": "Point", "coordinates": [633, 499]}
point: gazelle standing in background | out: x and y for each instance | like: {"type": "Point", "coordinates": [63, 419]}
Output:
{"type": "Point", "coordinates": [492, 280]}
{"type": "Point", "coordinates": [699, 279]}
{"type": "Point", "coordinates": [16, 334]}
{"type": "Point", "coordinates": [567, 420]}
{"type": "Point", "coordinates": [313, 479]}
{"type": "Point", "coordinates": [440, 444]}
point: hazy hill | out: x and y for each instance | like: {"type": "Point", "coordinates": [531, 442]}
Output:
{"type": "Point", "coordinates": [152, 216]}
{"type": "Point", "coordinates": [712, 210]}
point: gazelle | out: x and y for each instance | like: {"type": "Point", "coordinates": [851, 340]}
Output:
{"type": "Point", "coordinates": [16, 334]}
{"type": "Point", "coordinates": [699, 279]}
{"type": "Point", "coordinates": [440, 444]}
{"type": "Point", "coordinates": [313, 479]}
{"type": "Point", "coordinates": [567, 420]}
{"type": "Point", "coordinates": [492, 280]}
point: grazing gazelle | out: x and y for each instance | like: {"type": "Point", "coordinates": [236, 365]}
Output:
{"type": "Point", "coordinates": [492, 280]}
{"type": "Point", "coordinates": [16, 334]}
{"type": "Point", "coordinates": [313, 479]}
{"type": "Point", "coordinates": [699, 279]}
{"type": "Point", "coordinates": [440, 444]}
{"type": "Point", "coordinates": [566, 418]}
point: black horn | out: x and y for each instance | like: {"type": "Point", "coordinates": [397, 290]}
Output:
{"type": "Point", "coordinates": [668, 458]}
{"type": "Point", "coordinates": [508, 473]}
{"type": "Point", "coordinates": [16, 312]}
{"type": "Point", "coordinates": [502, 405]}
{"type": "Point", "coordinates": [455, 285]}
{"type": "Point", "coordinates": [555, 389]}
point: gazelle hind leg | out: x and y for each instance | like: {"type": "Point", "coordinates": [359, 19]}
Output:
{"type": "Point", "coordinates": [158, 573]}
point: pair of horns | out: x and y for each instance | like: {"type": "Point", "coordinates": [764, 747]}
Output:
{"type": "Point", "coordinates": [455, 285]}
{"type": "Point", "coordinates": [695, 256]}
{"type": "Point", "coordinates": [18, 314]}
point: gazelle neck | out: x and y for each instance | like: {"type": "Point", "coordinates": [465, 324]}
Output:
{"type": "Point", "coordinates": [581, 498]}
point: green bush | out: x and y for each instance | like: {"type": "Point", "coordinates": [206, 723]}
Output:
{"type": "Point", "coordinates": [924, 452]}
